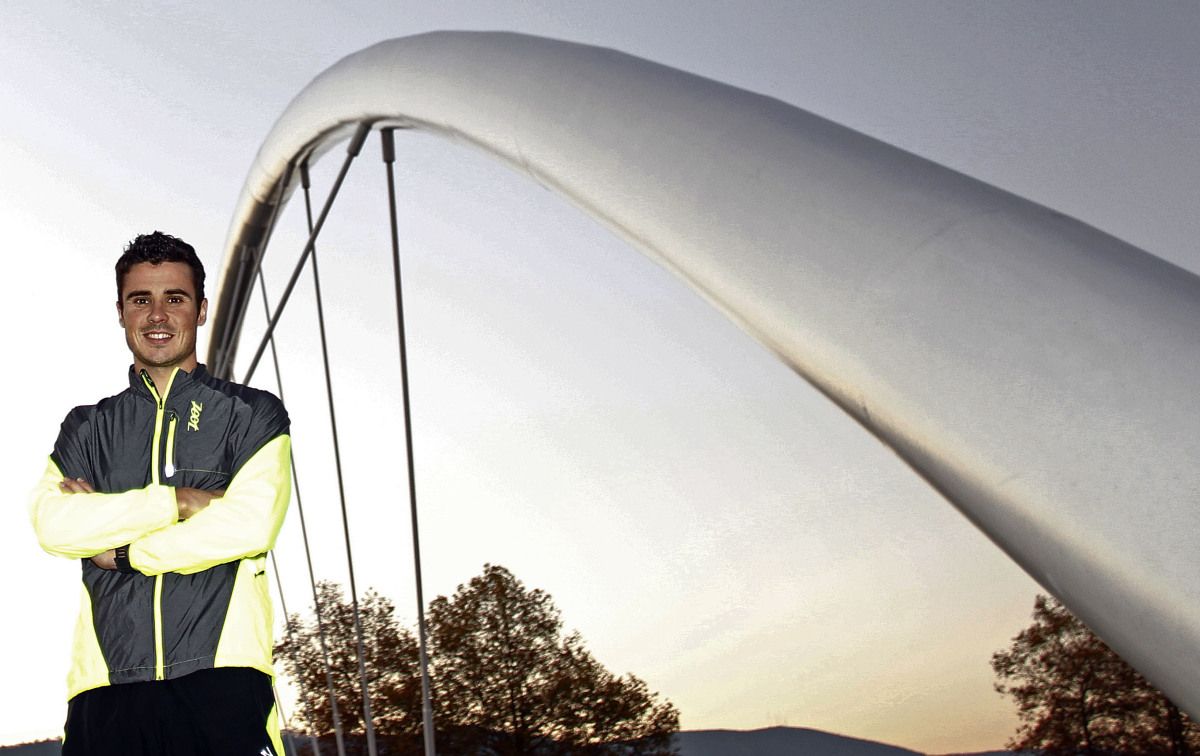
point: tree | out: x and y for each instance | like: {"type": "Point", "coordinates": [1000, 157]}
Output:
{"type": "Point", "coordinates": [506, 681]}
{"type": "Point", "coordinates": [593, 708]}
{"type": "Point", "coordinates": [491, 648]}
{"type": "Point", "coordinates": [1074, 694]}
{"type": "Point", "coordinates": [393, 674]}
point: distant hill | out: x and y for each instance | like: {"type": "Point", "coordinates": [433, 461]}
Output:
{"type": "Point", "coordinates": [780, 741]}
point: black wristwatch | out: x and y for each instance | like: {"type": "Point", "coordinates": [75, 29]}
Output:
{"type": "Point", "coordinates": [122, 559]}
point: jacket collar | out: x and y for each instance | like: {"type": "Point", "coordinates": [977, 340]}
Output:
{"type": "Point", "coordinates": [183, 383]}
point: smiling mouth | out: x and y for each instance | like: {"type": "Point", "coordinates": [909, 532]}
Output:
{"type": "Point", "coordinates": [158, 337]}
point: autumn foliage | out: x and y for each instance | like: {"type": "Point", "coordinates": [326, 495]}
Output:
{"type": "Point", "coordinates": [1074, 695]}
{"type": "Point", "coordinates": [505, 679]}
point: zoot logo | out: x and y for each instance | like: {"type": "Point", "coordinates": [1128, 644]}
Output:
{"type": "Point", "coordinates": [194, 416]}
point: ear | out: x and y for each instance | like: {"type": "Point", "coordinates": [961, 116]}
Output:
{"type": "Point", "coordinates": [120, 314]}
{"type": "Point", "coordinates": [203, 316]}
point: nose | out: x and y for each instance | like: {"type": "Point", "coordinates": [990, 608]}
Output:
{"type": "Point", "coordinates": [157, 313]}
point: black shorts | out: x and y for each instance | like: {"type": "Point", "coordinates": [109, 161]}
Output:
{"type": "Point", "coordinates": [214, 712]}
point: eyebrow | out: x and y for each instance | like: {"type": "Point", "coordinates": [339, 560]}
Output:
{"type": "Point", "coordinates": [147, 292]}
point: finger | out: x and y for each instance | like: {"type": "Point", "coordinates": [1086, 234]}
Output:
{"type": "Point", "coordinates": [87, 487]}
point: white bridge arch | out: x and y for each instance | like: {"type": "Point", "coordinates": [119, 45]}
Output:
{"type": "Point", "coordinates": [1039, 373]}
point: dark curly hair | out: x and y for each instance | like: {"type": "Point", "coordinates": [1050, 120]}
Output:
{"type": "Point", "coordinates": [158, 248]}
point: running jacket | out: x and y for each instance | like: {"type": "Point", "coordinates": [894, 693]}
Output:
{"type": "Point", "coordinates": [199, 597]}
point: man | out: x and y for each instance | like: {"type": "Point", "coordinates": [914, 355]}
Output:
{"type": "Point", "coordinates": [171, 493]}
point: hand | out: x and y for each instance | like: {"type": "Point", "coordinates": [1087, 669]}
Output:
{"type": "Point", "coordinates": [75, 485]}
{"type": "Point", "coordinates": [107, 560]}
{"type": "Point", "coordinates": [192, 500]}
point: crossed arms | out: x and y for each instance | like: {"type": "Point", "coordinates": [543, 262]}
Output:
{"type": "Point", "coordinates": [188, 501]}
{"type": "Point", "coordinates": [168, 529]}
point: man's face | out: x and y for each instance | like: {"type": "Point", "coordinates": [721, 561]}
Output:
{"type": "Point", "coordinates": [160, 314]}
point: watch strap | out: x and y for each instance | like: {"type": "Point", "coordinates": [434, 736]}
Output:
{"type": "Point", "coordinates": [122, 559]}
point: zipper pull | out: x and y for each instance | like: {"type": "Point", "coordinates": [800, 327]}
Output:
{"type": "Point", "coordinates": [146, 379]}
{"type": "Point", "coordinates": [169, 468]}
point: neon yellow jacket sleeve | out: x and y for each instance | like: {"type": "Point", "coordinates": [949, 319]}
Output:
{"type": "Point", "coordinates": [242, 523]}
{"type": "Point", "coordinates": [79, 525]}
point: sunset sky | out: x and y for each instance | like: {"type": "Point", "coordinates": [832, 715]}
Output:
{"type": "Point", "coordinates": [703, 517]}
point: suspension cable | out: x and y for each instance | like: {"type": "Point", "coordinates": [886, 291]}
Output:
{"type": "Point", "coordinates": [287, 727]}
{"type": "Point", "coordinates": [222, 367]}
{"type": "Point", "coordinates": [287, 618]}
{"type": "Point", "coordinates": [388, 142]}
{"type": "Point", "coordinates": [312, 579]}
{"type": "Point", "coordinates": [337, 459]}
{"type": "Point", "coordinates": [289, 737]}
{"type": "Point", "coordinates": [286, 734]}
{"type": "Point", "coordinates": [352, 150]}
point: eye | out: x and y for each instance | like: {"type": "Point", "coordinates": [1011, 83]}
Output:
{"type": "Point", "coordinates": [141, 301]}
{"type": "Point", "coordinates": [174, 300]}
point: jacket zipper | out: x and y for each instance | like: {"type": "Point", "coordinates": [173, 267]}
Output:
{"type": "Point", "coordinates": [159, 414]}
{"type": "Point", "coordinates": [172, 421]}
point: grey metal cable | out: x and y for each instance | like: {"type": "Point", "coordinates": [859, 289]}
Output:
{"type": "Point", "coordinates": [387, 139]}
{"type": "Point", "coordinates": [337, 457]}
{"type": "Point", "coordinates": [352, 150]}
{"type": "Point", "coordinates": [312, 579]}
{"type": "Point", "coordinates": [286, 733]}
